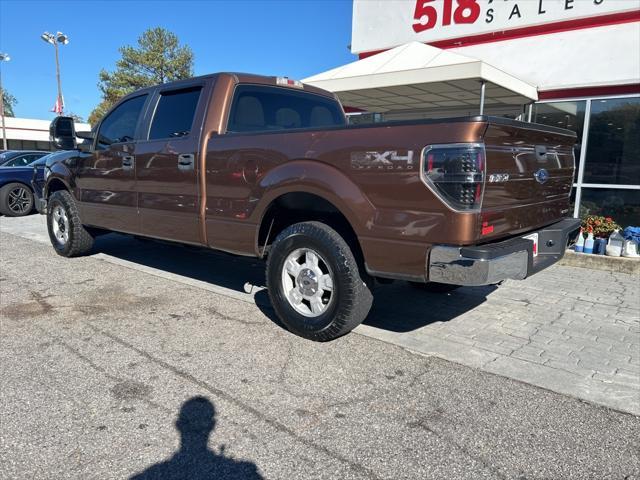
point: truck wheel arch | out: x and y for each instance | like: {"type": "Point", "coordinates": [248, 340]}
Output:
{"type": "Point", "coordinates": [324, 187]}
{"type": "Point", "coordinates": [55, 184]}
{"type": "Point", "coordinates": [312, 206]}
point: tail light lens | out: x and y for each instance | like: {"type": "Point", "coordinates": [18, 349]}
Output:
{"type": "Point", "coordinates": [456, 174]}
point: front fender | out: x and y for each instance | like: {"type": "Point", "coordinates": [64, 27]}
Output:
{"type": "Point", "coordinates": [319, 179]}
{"type": "Point", "coordinates": [58, 169]}
{"type": "Point", "coordinates": [58, 174]}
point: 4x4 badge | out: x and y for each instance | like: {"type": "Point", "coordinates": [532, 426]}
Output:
{"type": "Point", "coordinates": [387, 160]}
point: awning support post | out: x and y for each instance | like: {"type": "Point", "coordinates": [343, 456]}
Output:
{"type": "Point", "coordinates": [530, 113]}
{"type": "Point", "coordinates": [483, 85]}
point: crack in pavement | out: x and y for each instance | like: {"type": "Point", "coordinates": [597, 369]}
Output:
{"type": "Point", "coordinates": [58, 340]}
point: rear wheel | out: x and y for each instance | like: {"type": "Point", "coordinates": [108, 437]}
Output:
{"type": "Point", "coordinates": [68, 236]}
{"type": "Point", "coordinates": [314, 282]}
{"type": "Point", "coordinates": [16, 200]}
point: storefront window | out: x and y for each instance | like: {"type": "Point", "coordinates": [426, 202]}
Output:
{"type": "Point", "coordinates": [569, 115]}
{"type": "Point", "coordinates": [613, 147]}
{"type": "Point", "coordinates": [621, 205]}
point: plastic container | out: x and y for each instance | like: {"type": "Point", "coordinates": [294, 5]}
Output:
{"type": "Point", "coordinates": [630, 249]}
{"type": "Point", "coordinates": [615, 244]}
{"type": "Point", "coordinates": [579, 247]}
{"type": "Point", "coordinates": [588, 243]}
{"type": "Point", "coordinates": [600, 246]}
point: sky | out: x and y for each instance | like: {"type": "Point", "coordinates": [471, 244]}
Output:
{"type": "Point", "coordinates": [296, 38]}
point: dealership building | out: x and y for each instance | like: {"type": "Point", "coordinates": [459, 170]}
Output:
{"type": "Point", "coordinates": [30, 133]}
{"type": "Point", "coordinates": [567, 63]}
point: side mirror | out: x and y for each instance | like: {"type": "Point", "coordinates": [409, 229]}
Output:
{"type": "Point", "coordinates": [62, 133]}
{"type": "Point", "coordinates": [85, 135]}
{"type": "Point", "coordinates": [87, 141]}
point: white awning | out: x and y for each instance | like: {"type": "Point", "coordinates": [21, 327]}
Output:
{"type": "Point", "coordinates": [416, 76]}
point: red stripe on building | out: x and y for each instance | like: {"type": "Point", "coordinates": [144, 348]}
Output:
{"type": "Point", "coordinates": [545, 29]}
{"type": "Point", "coordinates": [590, 92]}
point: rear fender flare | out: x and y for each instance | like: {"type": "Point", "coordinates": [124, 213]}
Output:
{"type": "Point", "coordinates": [319, 179]}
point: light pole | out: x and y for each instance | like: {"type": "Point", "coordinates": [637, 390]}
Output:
{"type": "Point", "coordinates": [4, 57]}
{"type": "Point", "coordinates": [54, 40]}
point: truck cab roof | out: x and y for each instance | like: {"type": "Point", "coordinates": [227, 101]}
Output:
{"type": "Point", "coordinates": [237, 77]}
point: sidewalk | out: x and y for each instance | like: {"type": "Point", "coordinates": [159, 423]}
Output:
{"type": "Point", "coordinates": [572, 330]}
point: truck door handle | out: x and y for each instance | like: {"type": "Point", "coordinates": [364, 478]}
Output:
{"type": "Point", "coordinates": [186, 161]}
{"type": "Point", "coordinates": [127, 162]}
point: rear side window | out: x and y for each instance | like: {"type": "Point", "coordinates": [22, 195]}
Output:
{"type": "Point", "coordinates": [174, 114]}
{"type": "Point", "coordinates": [259, 108]}
{"type": "Point", "coordinates": [120, 124]}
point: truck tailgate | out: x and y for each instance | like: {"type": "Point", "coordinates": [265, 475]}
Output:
{"type": "Point", "coordinates": [529, 175]}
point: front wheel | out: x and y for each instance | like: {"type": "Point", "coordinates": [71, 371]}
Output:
{"type": "Point", "coordinates": [68, 236]}
{"type": "Point", "coordinates": [16, 200]}
{"type": "Point", "coordinates": [314, 282]}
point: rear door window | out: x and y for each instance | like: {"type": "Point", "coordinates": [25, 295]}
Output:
{"type": "Point", "coordinates": [120, 125]}
{"type": "Point", "coordinates": [174, 113]}
{"type": "Point", "coordinates": [263, 108]}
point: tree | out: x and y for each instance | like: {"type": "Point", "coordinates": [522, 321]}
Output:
{"type": "Point", "coordinates": [76, 118]}
{"type": "Point", "coordinates": [158, 58]}
{"type": "Point", "coordinates": [9, 103]}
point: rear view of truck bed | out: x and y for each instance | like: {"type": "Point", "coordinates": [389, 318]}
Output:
{"type": "Point", "coordinates": [528, 178]}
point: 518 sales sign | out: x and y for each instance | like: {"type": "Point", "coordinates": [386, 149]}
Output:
{"type": "Point", "coordinates": [493, 15]}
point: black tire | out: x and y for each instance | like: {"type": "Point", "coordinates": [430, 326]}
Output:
{"type": "Point", "coordinates": [16, 200]}
{"type": "Point", "coordinates": [350, 298]}
{"type": "Point", "coordinates": [434, 287]}
{"type": "Point", "coordinates": [79, 241]}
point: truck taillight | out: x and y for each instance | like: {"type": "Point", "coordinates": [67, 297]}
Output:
{"type": "Point", "coordinates": [455, 173]}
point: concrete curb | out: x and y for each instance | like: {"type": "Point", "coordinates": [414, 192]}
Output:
{"type": "Point", "coordinates": [602, 262]}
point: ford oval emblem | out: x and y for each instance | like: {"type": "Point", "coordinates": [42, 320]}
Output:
{"type": "Point", "coordinates": [541, 175]}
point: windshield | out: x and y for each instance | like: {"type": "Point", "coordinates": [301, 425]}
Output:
{"type": "Point", "coordinates": [31, 161]}
{"type": "Point", "coordinates": [40, 161]}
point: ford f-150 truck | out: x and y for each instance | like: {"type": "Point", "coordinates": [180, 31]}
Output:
{"type": "Point", "coordinates": [268, 167]}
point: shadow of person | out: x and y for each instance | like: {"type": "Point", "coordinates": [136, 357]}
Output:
{"type": "Point", "coordinates": [194, 460]}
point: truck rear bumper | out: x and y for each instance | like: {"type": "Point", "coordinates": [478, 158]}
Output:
{"type": "Point", "coordinates": [494, 262]}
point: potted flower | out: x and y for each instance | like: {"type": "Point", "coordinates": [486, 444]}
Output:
{"type": "Point", "coordinates": [601, 227]}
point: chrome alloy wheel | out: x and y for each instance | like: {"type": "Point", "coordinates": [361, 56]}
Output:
{"type": "Point", "coordinates": [19, 200]}
{"type": "Point", "coordinates": [60, 224]}
{"type": "Point", "coordinates": [307, 282]}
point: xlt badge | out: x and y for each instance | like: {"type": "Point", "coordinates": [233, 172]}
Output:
{"type": "Point", "coordinates": [498, 177]}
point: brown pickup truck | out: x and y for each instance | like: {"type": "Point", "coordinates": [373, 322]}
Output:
{"type": "Point", "coordinates": [268, 167]}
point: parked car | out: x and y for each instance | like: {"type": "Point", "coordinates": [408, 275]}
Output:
{"type": "Point", "coordinates": [268, 167]}
{"type": "Point", "coordinates": [20, 158]}
{"type": "Point", "coordinates": [17, 196]}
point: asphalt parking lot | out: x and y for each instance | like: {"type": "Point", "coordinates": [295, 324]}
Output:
{"type": "Point", "coordinates": [153, 360]}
